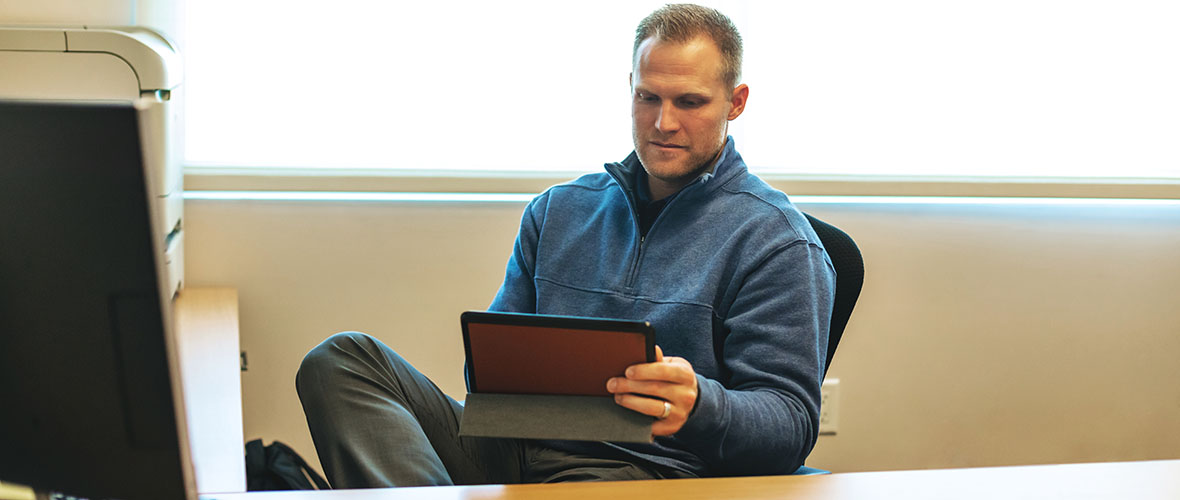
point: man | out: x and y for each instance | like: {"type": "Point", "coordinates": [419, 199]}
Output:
{"type": "Point", "coordinates": [725, 268]}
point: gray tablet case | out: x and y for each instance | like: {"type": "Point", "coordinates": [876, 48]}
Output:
{"type": "Point", "coordinates": [544, 377]}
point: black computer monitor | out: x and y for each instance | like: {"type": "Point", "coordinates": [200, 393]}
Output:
{"type": "Point", "coordinates": [89, 404]}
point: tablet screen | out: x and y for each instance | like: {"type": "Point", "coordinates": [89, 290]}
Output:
{"type": "Point", "coordinates": [513, 353]}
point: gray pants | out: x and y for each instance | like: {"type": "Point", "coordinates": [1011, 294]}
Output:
{"type": "Point", "coordinates": [378, 422]}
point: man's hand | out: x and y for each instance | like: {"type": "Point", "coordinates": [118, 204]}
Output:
{"type": "Point", "coordinates": [647, 386]}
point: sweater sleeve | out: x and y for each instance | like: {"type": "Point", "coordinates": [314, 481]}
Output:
{"type": "Point", "coordinates": [763, 418]}
{"type": "Point", "coordinates": [518, 292]}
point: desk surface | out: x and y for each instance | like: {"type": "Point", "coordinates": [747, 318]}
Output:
{"type": "Point", "coordinates": [1125, 480]}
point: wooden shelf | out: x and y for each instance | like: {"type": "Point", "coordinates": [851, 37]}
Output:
{"type": "Point", "coordinates": [208, 347]}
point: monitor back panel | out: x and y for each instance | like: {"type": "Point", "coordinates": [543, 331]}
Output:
{"type": "Point", "coordinates": [85, 386]}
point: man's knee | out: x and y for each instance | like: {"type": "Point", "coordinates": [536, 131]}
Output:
{"type": "Point", "coordinates": [329, 355]}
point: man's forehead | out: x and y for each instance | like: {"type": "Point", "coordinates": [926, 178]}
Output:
{"type": "Point", "coordinates": [697, 58]}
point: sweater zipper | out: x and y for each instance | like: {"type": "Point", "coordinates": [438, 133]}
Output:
{"type": "Point", "coordinates": [635, 262]}
{"type": "Point", "coordinates": [631, 206]}
{"type": "Point", "coordinates": [639, 248]}
{"type": "Point", "coordinates": [643, 239]}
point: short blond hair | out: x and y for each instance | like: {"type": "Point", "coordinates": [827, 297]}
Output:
{"type": "Point", "coordinates": [682, 22]}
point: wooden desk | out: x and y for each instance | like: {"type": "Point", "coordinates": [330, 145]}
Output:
{"type": "Point", "coordinates": [1127, 480]}
{"type": "Point", "coordinates": [208, 347]}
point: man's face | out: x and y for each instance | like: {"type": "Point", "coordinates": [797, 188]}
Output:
{"type": "Point", "coordinates": [680, 110]}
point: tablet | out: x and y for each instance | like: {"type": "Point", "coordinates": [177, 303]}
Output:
{"type": "Point", "coordinates": [514, 353]}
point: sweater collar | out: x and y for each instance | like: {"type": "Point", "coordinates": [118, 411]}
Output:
{"type": "Point", "coordinates": [729, 165]}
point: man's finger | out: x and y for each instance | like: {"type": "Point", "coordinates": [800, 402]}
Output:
{"type": "Point", "coordinates": [648, 406]}
{"type": "Point", "coordinates": [654, 388]}
{"type": "Point", "coordinates": [664, 371]}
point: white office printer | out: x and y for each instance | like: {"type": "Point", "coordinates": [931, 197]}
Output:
{"type": "Point", "coordinates": [110, 64]}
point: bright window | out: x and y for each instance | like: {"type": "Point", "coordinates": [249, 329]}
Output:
{"type": "Point", "coordinates": [906, 87]}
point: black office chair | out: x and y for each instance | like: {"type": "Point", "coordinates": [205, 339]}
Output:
{"type": "Point", "coordinates": [850, 275]}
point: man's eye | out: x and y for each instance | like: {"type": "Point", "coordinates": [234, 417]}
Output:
{"type": "Point", "coordinates": [645, 97]}
{"type": "Point", "coordinates": [690, 103]}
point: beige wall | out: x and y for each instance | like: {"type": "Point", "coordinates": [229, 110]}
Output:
{"type": "Point", "coordinates": [985, 335]}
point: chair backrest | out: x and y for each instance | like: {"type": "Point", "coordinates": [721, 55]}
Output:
{"type": "Point", "coordinates": [850, 275]}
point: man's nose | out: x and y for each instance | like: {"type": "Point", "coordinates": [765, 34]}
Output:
{"type": "Point", "coordinates": [667, 121]}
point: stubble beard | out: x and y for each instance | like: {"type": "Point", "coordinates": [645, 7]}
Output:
{"type": "Point", "coordinates": [700, 164]}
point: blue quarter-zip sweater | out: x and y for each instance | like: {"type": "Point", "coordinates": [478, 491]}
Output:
{"type": "Point", "coordinates": [733, 279]}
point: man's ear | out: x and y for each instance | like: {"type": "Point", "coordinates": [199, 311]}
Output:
{"type": "Point", "coordinates": [738, 101]}
{"type": "Point", "coordinates": [630, 81]}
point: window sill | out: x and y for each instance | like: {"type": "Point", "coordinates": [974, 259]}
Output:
{"type": "Point", "coordinates": [254, 179]}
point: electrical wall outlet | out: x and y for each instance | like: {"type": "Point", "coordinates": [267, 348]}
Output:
{"type": "Point", "coordinates": [829, 406]}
